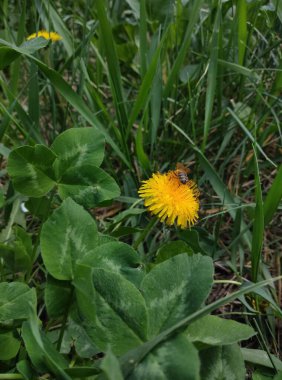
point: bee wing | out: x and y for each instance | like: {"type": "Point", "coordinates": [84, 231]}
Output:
{"type": "Point", "coordinates": [183, 168]}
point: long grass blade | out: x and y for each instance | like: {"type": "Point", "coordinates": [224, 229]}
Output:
{"type": "Point", "coordinates": [212, 75]}
{"type": "Point", "coordinates": [273, 197]}
{"type": "Point", "coordinates": [194, 15]}
{"type": "Point", "coordinates": [146, 86]}
{"type": "Point", "coordinates": [250, 136]}
{"type": "Point", "coordinates": [33, 95]}
{"type": "Point", "coordinates": [113, 64]}
{"type": "Point", "coordinates": [258, 226]}
{"type": "Point", "coordinates": [242, 29]}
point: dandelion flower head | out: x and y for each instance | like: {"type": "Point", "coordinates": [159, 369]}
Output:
{"type": "Point", "coordinates": [169, 199]}
{"type": "Point", "coordinates": [53, 36]}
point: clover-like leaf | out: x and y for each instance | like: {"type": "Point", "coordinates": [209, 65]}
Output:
{"type": "Point", "coordinates": [69, 234]}
{"type": "Point", "coordinates": [30, 168]}
{"type": "Point", "coordinates": [88, 185]}
{"type": "Point", "coordinates": [77, 147]}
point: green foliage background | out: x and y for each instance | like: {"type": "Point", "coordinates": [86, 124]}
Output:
{"type": "Point", "coordinates": [91, 286]}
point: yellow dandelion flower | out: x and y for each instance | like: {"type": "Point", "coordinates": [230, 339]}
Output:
{"type": "Point", "coordinates": [53, 36]}
{"type": "Point", "coordinates": [172, 201]}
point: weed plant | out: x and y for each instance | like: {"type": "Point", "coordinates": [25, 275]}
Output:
{"type": "Point", "coordinates": [101, 96]}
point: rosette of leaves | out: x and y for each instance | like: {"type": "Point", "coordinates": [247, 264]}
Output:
{"type": "Point", "coordinates": [71, 165]}
{"type": "Point", "coordinates": [111, 306]}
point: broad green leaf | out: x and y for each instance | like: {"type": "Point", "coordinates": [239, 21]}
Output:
{"type": "Point", "coordinates": [104, 239]}
{"type": "Point", "coordinates": [111, 367]}
{"type": "Point", "coordinates": [7, 56]}
{"type": "Point", "coordinates": [116, 257]}
{"type": "Point", "coordinates": [195, 241]}
{"type": "Point", "coordinates": [39, 207]}
{"type": "Point", "coordinates": [224, 362]}
{"type": "Point", "coordinates": [57, 296]}
{"type": "Point", "coordinates": [30, 168]}
{"type": "Point", "coordinates": [171, 249]}
{"type": "Point", "coordinates": [76, 337]}
{"type": "Point", "coordinates": [112, 309]}
{"type": "Point", "coordinates": [14, 298]}
{"type": "Point", "coordinates": [260, 357]}
{"type": "Point", "coordinates": [31, 46]}
{"type": "Point", "coordinates": [42, 353]}
{"type": "Point", "coordinates": [18, 254]}
{"type": "Point", "coordinates": [77, 147]}
{"type": "Point", "coordinates": [9, 346]}
{"type": "Point", "coordinates": [176, 288]}
{"type": "Point", "coordinates": [258, 375]}
{"type": "Point", "coordinates": [69, 234]}
{"type": "Point", "coordinates": [216, 331]}
{"type": "Point", "coordinates": [88, 185]}
{"type": "Point", "coordinates": [83, 372]}
{"type": "Point", "coordinates": [25, 369]}
{"type": "Point", "coordinates": [263, 374]}
{"type": "Point", "coordinates": [131, 359]}
{"type": "Point", "coordinates": [175, 359]}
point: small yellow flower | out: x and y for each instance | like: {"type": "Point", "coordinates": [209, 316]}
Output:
{"type": "Point", "coordinates": [53, 36]}
{"type": "Point", "coordinates": [165, 196]}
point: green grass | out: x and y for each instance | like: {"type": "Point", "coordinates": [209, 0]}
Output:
{"type": "Point", "coordinates": [198, 82]}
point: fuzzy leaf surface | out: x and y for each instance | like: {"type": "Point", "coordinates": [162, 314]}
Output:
{"type": "Point", "coordinates": [176, 288]}
{"type": "Point", "coordinates": [68, 235]}
{"type": "Point", "coordinates": [30, 168]}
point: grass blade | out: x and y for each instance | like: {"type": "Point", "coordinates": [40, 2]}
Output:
{"type": "Point", "coordinates": [194, 15]}
{"type": "Point", "coordinates": [113, 64]}
{"type": "Point", "coordinates": [258, 226]}
{"type": "Point", "coordinates": [33, 95]}
{"type": "Point", "coordinates": [273, 197]}
{"type": "Point", "coordinates": [242, 30]}
{"type": "Point", "coordinates": [212, 75]}
{"type": "Point", "coordinates": [143, 38]}
{"type": "Point", "coordinates": [146, 86]}
{"type": "Point", "coordinates": [250, 136]}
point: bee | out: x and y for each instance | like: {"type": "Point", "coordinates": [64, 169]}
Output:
{"type": "Point", "coordinates": [181, 172]}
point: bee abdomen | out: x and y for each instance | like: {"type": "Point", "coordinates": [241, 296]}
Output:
{"type": "Point", "coordinates": [183, 178]}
